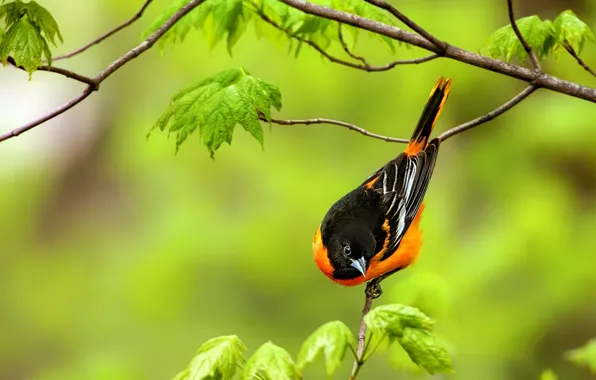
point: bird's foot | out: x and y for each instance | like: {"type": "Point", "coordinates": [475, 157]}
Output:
{"type": "Point", "coordinates": [373, 289]}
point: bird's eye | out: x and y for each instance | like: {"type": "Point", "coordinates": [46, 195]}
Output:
{"type": "Point", "coordinates": [347, 250]}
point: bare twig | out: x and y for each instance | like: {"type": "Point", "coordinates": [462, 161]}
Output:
{"type": "Point", "coordinates": [63, 108]}
{"type": "Point", "coordinates": [521, 38]}
{"type": "Point", "coordinates": [441, 45]}
{"type": "Point", "coordinates": [341, 124]}
{"type": "Point", "coordinates": [333, 59]}
{"type": "Point", "coordinates": [444, 136]}
{"type": "Point", "coordinates": [57, 70]}
{"type": "Point", "coordinates": [515, 71]}
{"type": "Point", "coordinates": [68, 74]}
{"type": "Point", "coordinates": [358, 362]}
{"type": "Point", "coordinates": [571, 51]}
{"type": "Point", "coordinates": [347, 49]}
{"type": "Point", "coordinates": [108, 34]}
{"type": "Point", "coordinates": [489, 116]}
{"type": "Point", "coordinates": [141, 48]}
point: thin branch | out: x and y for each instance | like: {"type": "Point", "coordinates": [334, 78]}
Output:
{"type": "Point", "coordinates": [341, 124]}
{"type": "Point", "coordinates": [571, 51]}
{"type": "Point", "coordinates": [68, 74]}
{"type": "Point", "coordinates": [521, 38]}
{"type": "Point", "coordinates": [347, 49]}
{"type": "Point", "coordinates": [444, 136]}
{"type": "Point", "coordinates": [63, 108]}
{"type": "Point", "coordinates": [135, 52]}
{"type": "Point", "coordinates": [57, 70]}
{"type": "Point", "coordinates": [489, 116]}
{"type": "Point", "coordinates": [96, 41]}
{"type": "Point", "coordinates": [441, 45]}
{"type": "Point", "coordinates": [333, 59]}
{"type": "Point", "coordinates": [539, 80]}
{"type": "Point", "coordinates": [358, 362]}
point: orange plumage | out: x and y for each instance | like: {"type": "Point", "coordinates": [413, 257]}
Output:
{"type": "Point", "coordinates": [374, 230]}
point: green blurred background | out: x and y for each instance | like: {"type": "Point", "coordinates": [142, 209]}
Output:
{"type": "Point", "coordinates": [119, 258]}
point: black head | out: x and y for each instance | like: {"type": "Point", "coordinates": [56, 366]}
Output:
{"type": "Point", "coordinates": [350, 247]}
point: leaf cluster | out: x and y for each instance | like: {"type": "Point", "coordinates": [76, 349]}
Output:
{"type": "Point", "coordinates": [412, 329]}
{"type": "Point", "coordinates": [545, 37]}
{"type": "Point", "coordinates": [229, 19]}
{"type": "Point", "coordinates": [217, 104]}
{"type": "Point", "coordinates": [28, 30]}
{"type": "Point", "coordinates": [219, 357]}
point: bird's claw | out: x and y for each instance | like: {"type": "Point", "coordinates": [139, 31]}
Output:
{"type": "Point", "coordinates": [373, 289]}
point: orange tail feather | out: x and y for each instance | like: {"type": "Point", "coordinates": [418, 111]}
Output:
{"type": "Point", "coordinates": [437, 98]}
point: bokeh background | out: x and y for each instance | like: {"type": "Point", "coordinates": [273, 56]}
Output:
{"type": "Point", "coordinates": [118, 258]}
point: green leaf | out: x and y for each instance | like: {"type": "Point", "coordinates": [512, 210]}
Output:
{"type": "Point", "coordinates": [584, 356]}
{"type": "Point", "coordinates": [43, 19]}
{"type": "Point", "coordinates": [29, 28]}
{"type": "Point", "coordinates": [332, 340]}
{"type": "Point", "coordinates": [217, 104]}
{"type": "Point", "coordinates": [548, 375]}
{"type": "Point", "coordinates": [391, 320]}
{"type": "Point", "coordinates": [424, 350]}
{"type": "Point", "coordinates": [24, 42]}
{"type": "Point", "coordinates": [319, 30]}
{"type": "Point", "coordinates": [568, 28]}
{"type": "Point", "coordinates": [372, 12]}
{"type": "Point", "coordinates": [412, 329]}
{"type": "Point", "coordinates": [217, 358]}
{"type": "Point", "coordinates": [12, 12]}
{"type": "Point", "coordinates": [217, 18]}
{"type": "Point", "coordinates": [270, 362]}
{"type": "Point", "coordinates": [182, 375]}
{"type": "Point", "coordinates": [504, 42]}
{"type": "Point", "coordinates": [232, 18]}
{"type": "Point", "coordinates": [178, 32]}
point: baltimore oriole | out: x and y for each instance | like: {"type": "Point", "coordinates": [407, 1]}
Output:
{"type": "Point", "coordinates": [374, 231]}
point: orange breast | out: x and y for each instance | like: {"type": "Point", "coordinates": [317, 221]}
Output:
{"type": "Point", "coordinates": [406, 254]}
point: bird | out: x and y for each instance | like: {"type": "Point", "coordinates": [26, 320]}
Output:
{"type": "Point", "coordinates": [374, 230]}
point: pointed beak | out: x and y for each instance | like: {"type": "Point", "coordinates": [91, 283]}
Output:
{"type": "Point", "coordinates": [360, 264]}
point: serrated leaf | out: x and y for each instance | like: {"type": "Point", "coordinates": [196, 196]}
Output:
{"type": "Point", "coordinates": [216, 18]}
{"type": "Point", "coordinates": [224, 13]}
{"type": "Point", "coordinates": [12, 12]}
{"type": "Point", "coordinates": [424, 350]}
{"type": "Point", "coordinates": [270, 362]}
{"type": "Point", "coordinates": [217, 358]}
{"type": "Point", "coordinates": [217, 104]}
{"type": "Point", "coordinates": [568, 28]}
{"type": "Point", "coordinates": [42, 18]}
{"type": "Point", "coordinates": [372, 12]}
{"type": "Point", "coordinates": [264, 94]}
{"type": "Point", "coordinates": [319, 30]}
{"type": "Point", "coordinates": [548, 375]}
{"type": "Point", "coordinates": [178, 32]}
{"type": "Point", "coordinates": [391, 320]}
{"type": "Point", "coordinates": [584, 356]}
{"type": "Point", "coordinates": [236, 30]}
{"type": "Point", "coordinates": [504, 42]}
{"type": "Point", "coordinates": [331, 340]}
{"type": "Point", "coordinates": [29, 28]}
{"type": "Point", "coordinates": [24, 42]}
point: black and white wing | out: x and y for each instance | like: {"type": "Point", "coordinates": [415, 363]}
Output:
{"type": "Point", "coordinates": [402, 182]}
